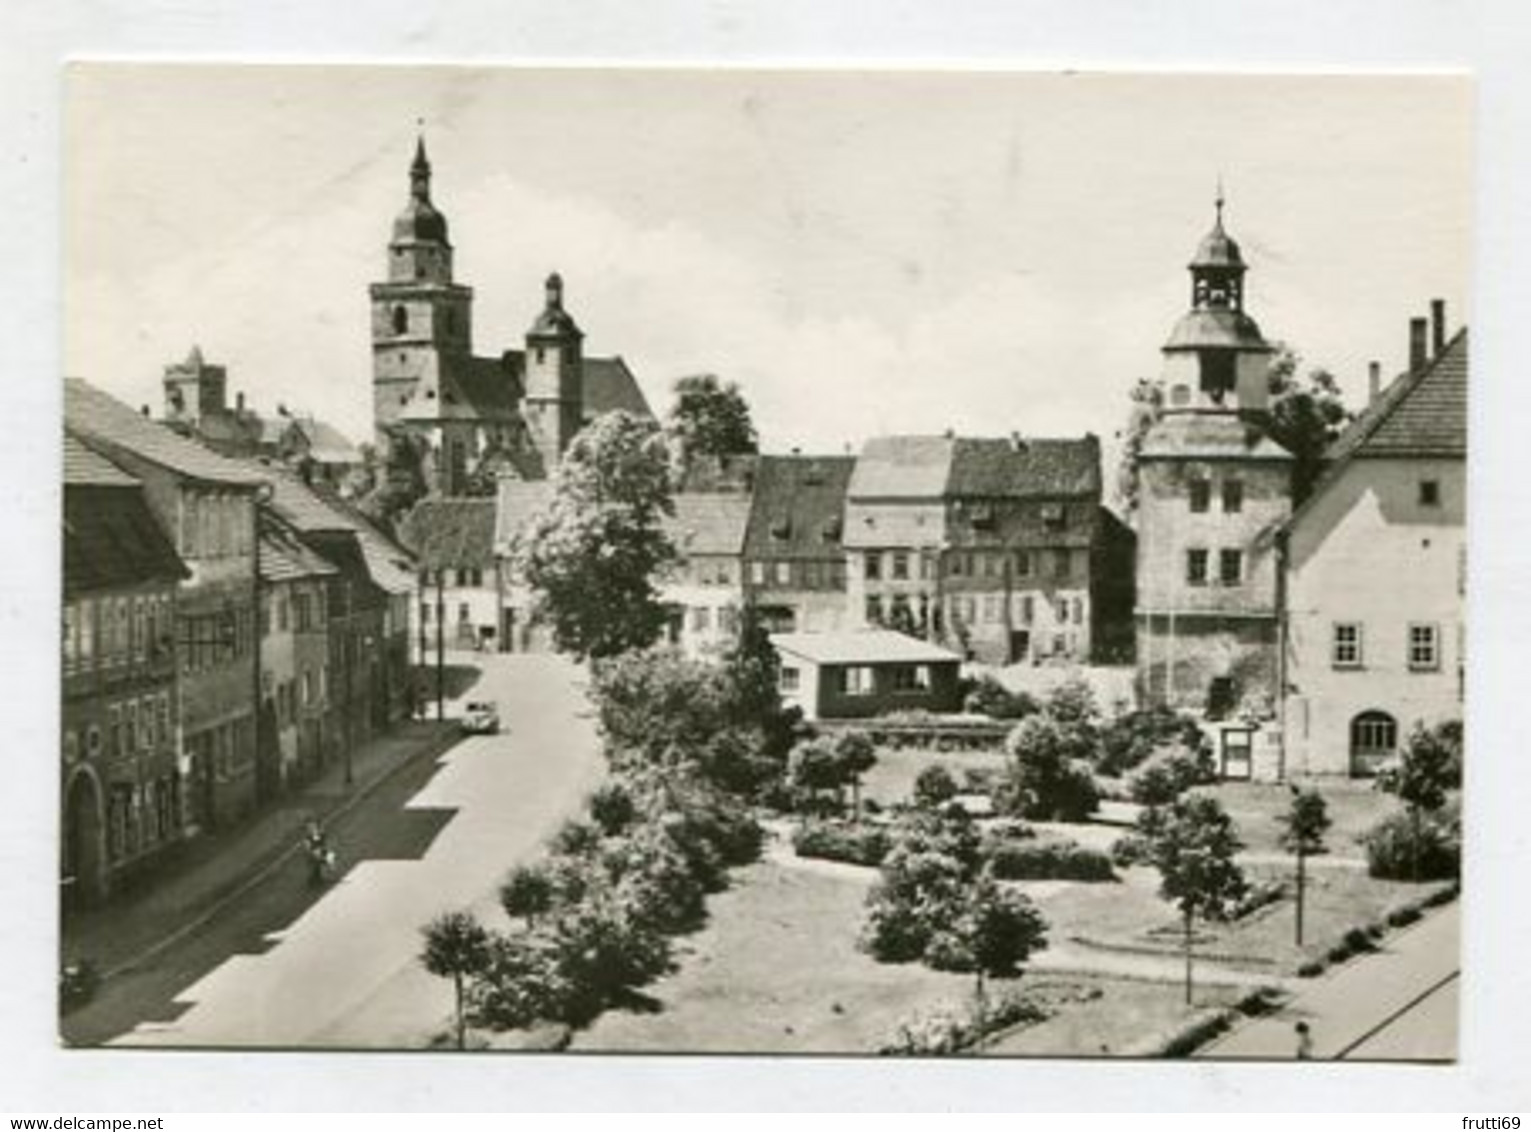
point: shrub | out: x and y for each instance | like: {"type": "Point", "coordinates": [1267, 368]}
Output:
{"type": "Point", "coordinates": [1130, 738]}
{"type": "Point", "coordinates": [980, 779]}
{"type": "Point", "coordinates": [1130, 849]}
{"type": "Point", "coordinates": [1403, 915]}
{"type": "Point", "coordinates": [853, 844]}
{"type": "Point", "coordinates": [521, 983]}
{"type": "Point", "coordinates": [1073, 701]}
{"type": "Point", "coordinates": [952, 1029]}
{"type": "Point", "coordinates": [529, 891]}
{"type": "Point", "coordinates": [1008, 829]}
{"type": "Point", "coordinates": [1256, 898]}
{"type": "Point", "coordinates": [1311, 969]}
{"type": "Point", "coordinates": [602, 951]}
{"type": "Point", "coordinates": [1048, 777]}
{"type": "Point", "coordinates": [911, 901]}
{"type": "Point", "coordinates": [1406, 847]}
{"type": "Point", "coordinates": [658, 884]}
{"type": "Point", "coordinates": [934, 786]}
{"type": "Point", "coordinates": [576, 838]}
{"type": "Point", "coordinates": [1048, 860]}
{"type": "Point", "coordinates": [611, 808]}
{"type": "Point", "coordinates": [991, 698]}
{"type": "Point", "coordinates": [1168, 774]}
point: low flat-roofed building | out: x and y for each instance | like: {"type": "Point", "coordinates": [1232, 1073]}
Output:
{"type": "Point", "coordinates": [852, 675]}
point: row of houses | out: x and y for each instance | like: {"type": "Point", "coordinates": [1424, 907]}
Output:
{"type": "Point", "coordinates": [998, 549]}
{"type": "Point", "coordinates": [229, 631]}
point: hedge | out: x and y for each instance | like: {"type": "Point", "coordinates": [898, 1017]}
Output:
{"type": "Point", "coordinates": [835, 841]}
{"type": "Point", "coordinates": [1399, 848]}
{"type": "Point", "coordinates": [1047, 860]}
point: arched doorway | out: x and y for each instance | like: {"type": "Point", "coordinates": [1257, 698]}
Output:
{"type": "Point", "coordinates": [84, 865]}
{"type": "Point", "coordinates": [1373, 740]}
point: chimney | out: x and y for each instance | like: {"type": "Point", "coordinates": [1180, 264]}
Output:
{"type": "Point", "coordinates": [1418, 330]}
{"type": "Point", "coordinates": [1437, 327]}
{"type": "Point", "coordinates": [144, 409]}
{"type": "Point", "coordinates": [239, 402]}
{"type": "Point", "coordinates": [1373, 382]}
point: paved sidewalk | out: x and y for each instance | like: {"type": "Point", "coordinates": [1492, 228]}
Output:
{"type": "Point", "coordinates": [213, 867]}
{"type": "Point", "coordinates": [1346, 1008]}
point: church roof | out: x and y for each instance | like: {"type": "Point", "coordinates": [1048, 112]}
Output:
{"type": "Point", "coordinates": [1209, 436]}
{"type": "Point", "coordinates": [1217, 248]}
{"type": "Point", "coordinates": [608, 386]}
{"type": "Point", "coordinates": [421, 221]}
{"type": "Point", "coordinates": [1217, 328]}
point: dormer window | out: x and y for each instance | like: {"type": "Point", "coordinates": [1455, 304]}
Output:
{"type": "Point", "coordinates": [781, 528]}
{"type": "Point", "coordinates": [1054, 517]}
{"type": "Point", "coordinates": [832, 530]}
{"type": "Point", "coordinates": [400, 320]}
{"type": "Point", "coordinates": [982, 516]}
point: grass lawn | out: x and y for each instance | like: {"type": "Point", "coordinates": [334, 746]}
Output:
{"type": "Point", "coordinates": [892, 779]}
{"type": "Point", "coordinates": [1353, 805]}
{"type": "Point", "coordinates": [776, 970]}
{"type": "Point", "coordinates": [1127, 1013]}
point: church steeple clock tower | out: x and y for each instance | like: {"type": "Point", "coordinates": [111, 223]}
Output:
{"type": "Point", "coordinates": [1213, 488]}
{"type": "Point", "coordinates": [554, 379]}
{"type": "Point", "coordinates": [420, 317]}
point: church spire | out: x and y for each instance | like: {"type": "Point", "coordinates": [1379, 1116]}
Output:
{"type": "Point", "coordinates": [420, 173]}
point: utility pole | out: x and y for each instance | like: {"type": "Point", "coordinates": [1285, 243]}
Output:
{"type": "Point", "coordinates": [441, 702]}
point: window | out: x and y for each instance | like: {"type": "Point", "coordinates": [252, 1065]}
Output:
{"type": "Point", "coordinates": [1230, 567]}
{"type": "Point", "coordinates": [1028, 609]}
{"type": "Point", "coordinates": [1424, 648]}
{"type": "Point", "coordinates": [1201, 495]}
{"type": "Point", "coordinates": [787, 679]}
{"type": "Point", "coordinates": [758, 573]}
{"type": "Point", "coordinates": [874, 610]}
{"type": "Point", "coordinates": [400, 320]}
{"type": "Point", "coordinates": [87, 631]}
{"type": "Point", "coordinates": [308, 687]}
{"type": "Point", "coordinates": [1022, 563]}
{"type": "Point", "coordinates": [991, 607]}
{"type": "Point", "coordinates": [425, 613]}
{"type": "Point", "coordinates": [1346, 650]}
{"type": "Point", "coordinates": [1233, 496]}
{"type": "Point", "coordinates": [784, 573]}
{"type": "Point", "coordinates": [1060, 565]}
{"type": "Point", "coordinates": [856, 680]}
{"type": "Point", "coordinates": [1078, 604]}
{"type": "Point", "coordinates": [701, 619]}
{"type": "Point", "coordinates": [873, 565]}
{"type": "Point", "coordinates": [900, 566]}
{"type": "Point", "coordinates": [1429, 493]}
{"type": "Point", "coordinates": [1374, 734]}
{"type": "Point", "coordinates": [911, 678]}
{"type": "Point", "coordinates": [92, 741]}
{"type": "Point", "coordinates": [462, 613]}
{"type": "Point", "coordinates": [1196, 567]}
{"type": "Point", "coordinates": [71, 631]}
{"type": "Point", "coordinates": [1054, 516]}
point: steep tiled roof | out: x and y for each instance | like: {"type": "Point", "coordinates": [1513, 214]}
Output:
{"type": "Point", "coordinates": [283, 557]}
{"type": "Point", "coordinates": [450, 532]}
{"type": "Point", "coordinates": [709, 523]}
{"type": "Point", "coordinates": [609, 385]}
{"type": "Point", "coordinates": [112, 539]}
{"type": "Point", "coordinates": [798, 510]}
{"type": "Point", "coordinates": [515, 503]}
{"type": "Point", "coordinates": [902, 467]}
{"type": "Point", "coordinates": [84, 468]}
{"type": "Point", "coordinates": [327, 444]}
{"type": "Point", "coordinates": [1022, 468]}
{"type": "Point", "coordinates": [100, 418]}
{"type": "Point", "coordinates": [1422, 413]}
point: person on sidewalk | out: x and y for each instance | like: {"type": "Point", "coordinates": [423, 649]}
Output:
{"type": "Point", "coordinates": [320, 856]}
{"type": "Point", "coordinates": [1304, 1042]}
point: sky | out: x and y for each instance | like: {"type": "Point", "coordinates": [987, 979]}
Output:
{"type": "Point", "coordinates": [863, 252]}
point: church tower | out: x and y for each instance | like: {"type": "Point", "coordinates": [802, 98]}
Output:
{"type": "Point", "coordinates": [1213, 488]}
{"type": "Point", "coordinates": [421, 319]}
{"type": "Point", "coordinates": [554, 379]}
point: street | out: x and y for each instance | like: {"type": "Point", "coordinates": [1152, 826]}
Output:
{"type": "Point", "coordinates": [1399, 1004]}
{"type": "Point", "coordinates": [438, 835]}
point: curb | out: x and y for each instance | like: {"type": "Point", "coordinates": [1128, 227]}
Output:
{"type": "Point", "coordinates": [272, 864]}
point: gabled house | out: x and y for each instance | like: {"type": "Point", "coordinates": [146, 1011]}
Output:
{"type": "Point", "coordinates": [1375, 573]}
{"type": "Point", "coordinates": [704, 590]}
{"type": "Point", "coordinates": [794, 552]}
{"type": "Point", "coordinates": [458, 604]}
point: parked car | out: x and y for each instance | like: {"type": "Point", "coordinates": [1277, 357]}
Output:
{"type": "Point", "coordinates": [481, 719]}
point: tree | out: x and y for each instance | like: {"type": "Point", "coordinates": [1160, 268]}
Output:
{"type": "Point", "coordinates": [593, 555]}
{"type": "Point", "coordinates": [528, 892]}
{"type": "Point", "coordinates": [992, 931]}
{"type": "Point", "coordinates": [856, 755]}
{"type": "Point", "coordinates": [1192, 843]}
{"type": "Point", "coordinates": [1431, 764]}
{"type": "Point", "coordinates": [520, 983]}
{"type": "Point", "coordinates": [815, 768]}
{"type": "Point", "coordinates": [1302, 834]}
{"type": "Point", "coordinates": [1048, 777]}
{"type": "Point", "coordinates": [612, 808]}
{"type": "Point", "coordinates": [934, 786]}
{"type": "Point", "coordinates": [456, 946]}
{"type": "Point", "coordinates": [710, 418]}
{"type": "Point", "coordinates": [396, 477]}
{"type": "Point", "coordinates": [1146, 405]}
{"type": "Point", "coordinates": [1306, 415]}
